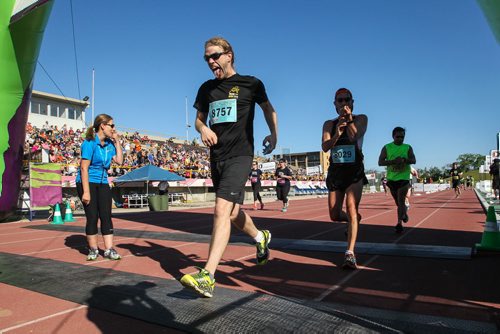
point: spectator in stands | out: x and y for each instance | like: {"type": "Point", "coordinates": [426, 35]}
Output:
{"type": "Point", "coordinates": [98, 150]}
{"type": "Point", "coordinates": [228, 103]}
{"type": "Point", "coordinates": [398, 156]}
{"type": "Point", "coordinates": [283, 177]}
{"type": "Point", "coordinates": [343, 137]}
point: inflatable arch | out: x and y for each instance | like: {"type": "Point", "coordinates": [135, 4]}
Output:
{"type": "Point", "coordinates": [22, 24]}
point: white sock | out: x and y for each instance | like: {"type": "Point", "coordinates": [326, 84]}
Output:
{"type": "Point", "coordinates": [259, 237]}
{"type": "Point", "coordinates": [347, 252]}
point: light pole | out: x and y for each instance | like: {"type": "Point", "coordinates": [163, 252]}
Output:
{"type": "Point", "coordinates": [93, 74]}
{"type": "Point", "coordinates": [187, 122]}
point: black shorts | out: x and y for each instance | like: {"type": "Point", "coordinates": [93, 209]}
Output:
{"type": "Point", "coordinates": [456, 183]}
{"type": "Point", "coordinates": [495, 184]}
{"type": "Point", "coordinates": [398, 184]}
{"type": "Point", "coordinates": [340, 178]}
{"type": "Point", "coordinates": [230, 176]}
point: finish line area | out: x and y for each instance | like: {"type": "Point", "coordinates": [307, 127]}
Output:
{"type": "Point", "coordinates": [425, 279]}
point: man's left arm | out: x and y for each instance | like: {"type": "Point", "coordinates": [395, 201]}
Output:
{"type": "Point", "coordinates": [411, 157]}
{"type": "Point", "coordinates": [272, 122]}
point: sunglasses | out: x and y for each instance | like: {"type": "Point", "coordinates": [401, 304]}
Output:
{"type": "Point", "coordinates": [214, 56]}
{"type": "Point", "coordinates": [343, 99]}
{"type": "Point", "coordinates": [111, 125]}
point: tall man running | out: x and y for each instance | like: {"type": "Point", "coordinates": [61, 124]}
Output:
{"type": "Point", "coordinates": [228, 103]}
{"type": "Point", "coordinates": [398, 156]}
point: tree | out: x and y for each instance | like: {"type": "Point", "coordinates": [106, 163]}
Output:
{"type": "Point", "coordinates": [470, 161]}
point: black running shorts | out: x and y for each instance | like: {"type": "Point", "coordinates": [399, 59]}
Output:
{"type": "Point", "coordinates": [230, 176]}
{"type": "Point", "coordinates": [340, 178]}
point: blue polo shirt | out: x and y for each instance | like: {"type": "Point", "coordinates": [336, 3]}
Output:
{"type": "Point", "coordinates": [100, 157]}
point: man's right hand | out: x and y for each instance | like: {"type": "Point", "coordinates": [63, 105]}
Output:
{"type": "Point", "coordinates": [208, 137]}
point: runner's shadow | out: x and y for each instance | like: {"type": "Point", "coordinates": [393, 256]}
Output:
{"type": "Point", "coordinates": [128, 301]}
{"type": "Point", "coordinates": [171, 260]}
{"type": "Point", "coordinates": [77, 242]}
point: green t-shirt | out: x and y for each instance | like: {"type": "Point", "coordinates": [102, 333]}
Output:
{"type": "Point", "coordinates": [397, 172]}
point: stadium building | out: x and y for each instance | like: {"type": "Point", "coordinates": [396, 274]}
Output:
{"type": "Point", "coordinates": [50, 109]}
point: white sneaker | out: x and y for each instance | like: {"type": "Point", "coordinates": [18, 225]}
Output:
{"type": "Point", "coordinates": [112, 254]}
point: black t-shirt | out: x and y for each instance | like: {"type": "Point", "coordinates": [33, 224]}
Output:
{"type": "Point", "coordinates": [255, 175]}
{"type": "Point", "coordinates": [455, 174]}
{"type": "Point", "coordinates": [234, 137]}
{"type": "Point", "coordinates": [494, 169]}
{"type": "Point", "coordinates": [283, 171]}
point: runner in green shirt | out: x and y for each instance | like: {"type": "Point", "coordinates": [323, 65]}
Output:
{"type": "Point", "coordinates": [398, 157]}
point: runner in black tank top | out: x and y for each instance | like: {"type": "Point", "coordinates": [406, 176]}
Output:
{"type": "Point", "coordinates": [343, 137]}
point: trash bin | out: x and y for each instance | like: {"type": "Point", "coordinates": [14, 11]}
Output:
{"type": "Point", "coordinates": [154, 203]}
{"type": "Point", "coordinates": [163, 202]}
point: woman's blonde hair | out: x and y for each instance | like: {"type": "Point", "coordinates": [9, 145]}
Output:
{"type": "Point", "coordinates": [92, 130]}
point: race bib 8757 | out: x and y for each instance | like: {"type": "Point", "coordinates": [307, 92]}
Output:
{"type": "Point", "coordinates": [222, 111]}
{"type": "Point", "coordinates": [343, 154]}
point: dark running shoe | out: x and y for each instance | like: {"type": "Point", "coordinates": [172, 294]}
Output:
{"type": "Point", "coordinates": [406, 218]}
{"type": "Point", "coordinates": [399, 228]}
{"type": "Point", "coordinates": [349, 261]}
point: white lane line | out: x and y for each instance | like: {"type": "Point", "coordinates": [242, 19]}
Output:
{"type": "Point", "coordinates": [5, 330]}
{"type": "Point", "coordinates": [340, 284]}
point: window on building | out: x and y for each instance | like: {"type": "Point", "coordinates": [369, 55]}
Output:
{"type": "Point", "coordinates": [54, 110]}
{"type": "Point", "coordinates": [44, 109]}
{"type": "Point", "coordinates": [35, 107]}
{"type": "Point", "coordinates": [63, 112]}
{"type": "Point", "coordinates": [71, 113]}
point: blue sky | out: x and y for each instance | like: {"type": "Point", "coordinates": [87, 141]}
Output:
{"type": "Point", "coordinates": [430, 66]}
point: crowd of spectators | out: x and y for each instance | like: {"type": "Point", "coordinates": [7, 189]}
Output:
{"type": "Point", "coordinates": [62, 145]}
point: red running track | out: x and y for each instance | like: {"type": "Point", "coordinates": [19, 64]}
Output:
{"type": "Point", "coordinates": [460, 289]}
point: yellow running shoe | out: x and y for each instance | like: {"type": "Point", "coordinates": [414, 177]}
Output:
{"type": "Point", "coordinates": [263, 248]}
{"type": "Point", "coordinates": [201, 283]}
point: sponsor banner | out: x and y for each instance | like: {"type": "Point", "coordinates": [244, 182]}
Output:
{"type": "Point", "coordinates": [370, 176]}
{"type": "Point", "coordinates": [45, 184]}
{"type": "Point", "coordinates": [494, 154]}
{"type": "Point", "coordinates": [314, 170]}
{"type": "Point", "coordinates": [267, 167]}
{"type": "Point", "coordinates": [69, 182]}
{"type": "Point", "coordinates": [430, 187]}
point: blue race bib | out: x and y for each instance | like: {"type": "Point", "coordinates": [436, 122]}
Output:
{"type": "Point", "coordinates": [222, 111]}
{"type": "Point", "coordinates": [343, 154]}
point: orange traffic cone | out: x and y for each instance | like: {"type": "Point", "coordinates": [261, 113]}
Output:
{"type": "Point", "coordinates": [57, 219]}
{"type": "Point", "coordinates": [68, 214]}
{"type": "Point", "coordinates": [491, 235]}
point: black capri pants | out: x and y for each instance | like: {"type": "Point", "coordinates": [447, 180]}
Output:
{"type": "Point", "coordinates": [256, 192]}
{"type": "Point", "coordinates": [99, 208]}
{"type": "Point", "coordinates": [282, 192]}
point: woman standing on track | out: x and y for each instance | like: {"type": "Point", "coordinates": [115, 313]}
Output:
{"type": "Point", "coordinates": [100, 147]}
{"type": "Point", "coordinates": [343, 137]}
